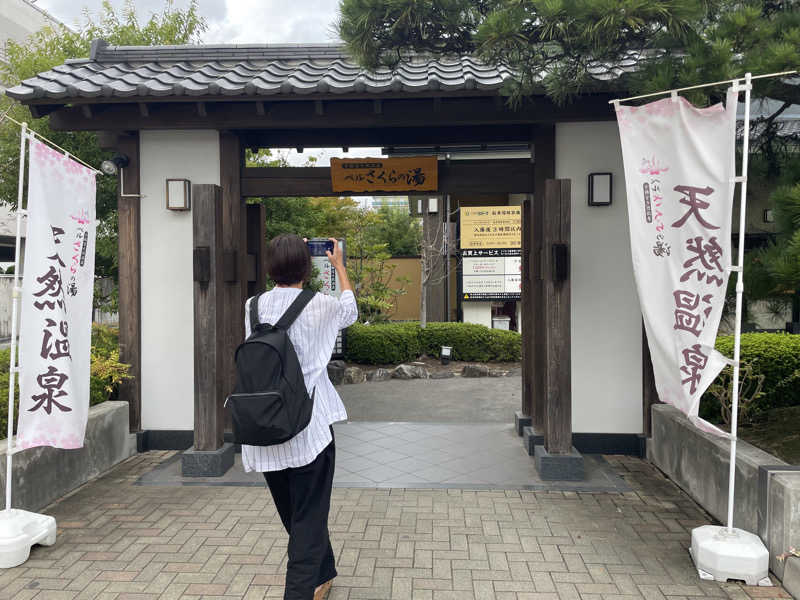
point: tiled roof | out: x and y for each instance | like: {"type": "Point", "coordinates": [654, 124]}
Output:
{"type": "Point", "coordinates": [236, 70]}
{"type": "Point", "coordinates": [260, 70]}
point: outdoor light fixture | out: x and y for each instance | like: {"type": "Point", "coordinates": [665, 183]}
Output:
{"type": "Point", "coordinates": [599, 189]}
{"type": "Point", "coordinates": [113, 166]}
{"type": "Point", "coordinates": [768, 216]}
{"type": "Point", "coordinates": [179, 192]}
{"type": "Point", "coordinates": [433, 205]}
{"type": "Point", "coordinates": [445, 354]}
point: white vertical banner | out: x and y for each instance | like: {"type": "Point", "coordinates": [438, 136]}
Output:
{"type": "Point", "coordinates": [57, 292]}
{"type": "Point", "coordinates": [679, 174]}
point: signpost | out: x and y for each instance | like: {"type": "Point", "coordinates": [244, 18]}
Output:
{"type": "Point", "coordinates": [330, 284]}
{"type": "Point", "coordinates": [491, 261]}
{"type": "Point", "coordinates": [410, 174]}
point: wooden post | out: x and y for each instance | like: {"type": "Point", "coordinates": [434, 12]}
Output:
{"type": "Point", "coordinates": [544, 168]}
{"type": "Point", "coordinates": [649, 393]}
{"type": "Point", "coordinates": [130, 285]}
{"type": "Point", "coordinates": [234, 244]}
{"type": "Point", "coordinates": [256, 248]}
{"type": "Point", "coordinates": [209, 297]}
{"type": "Point", "coordinates": [527, 312]}
{"type": "Point", "coordinates": [556, 263]}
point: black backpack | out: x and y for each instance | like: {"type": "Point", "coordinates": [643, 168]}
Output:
{"type": "Point", "coordinates": [270, 404]}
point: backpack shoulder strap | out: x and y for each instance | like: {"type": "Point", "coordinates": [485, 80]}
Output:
{"type": "Point", "coordinates": [295, 309]}
{"type": "Point", "coordinates": [254, 311]}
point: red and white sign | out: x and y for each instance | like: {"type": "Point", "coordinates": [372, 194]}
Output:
{"type": "Point", "coordinates": [679, 174]}
{"type": "Point", "coordinates": [57, 292]}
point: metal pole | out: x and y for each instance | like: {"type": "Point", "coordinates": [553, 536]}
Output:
{"type": "Point", "coordinates": [739, 290]}
{"type": "Point", "coordinates": [447, 259]}
{"type": "Point", "coordinates": [14, 311]}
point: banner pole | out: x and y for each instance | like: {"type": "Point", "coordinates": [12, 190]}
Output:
{"type": "Point", "coordinates": [14, 312]}
{"type": "Point", "coordinates": [737, 339]}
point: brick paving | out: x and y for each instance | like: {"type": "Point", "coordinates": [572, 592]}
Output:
{"type": "Point", "coordinates": [118, 540]}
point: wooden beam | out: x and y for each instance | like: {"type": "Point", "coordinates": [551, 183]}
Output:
{"type": "Point", "coordinates": [383, 136]}
{"type": "Point", "coordinates": [234, 235]}
{"type": "Point", "coordinates": [257, 246]}
{"type": "Point", "coordinates": [209, 417]}
{"type": "Point", "coordinates": [457, 177]}
{"type": "Point", "coordinates": [558, 418]}
{"type": "Point", "coordinates": [543, 169]}
{"type": "Point", "coordinates": [649, 393]}
{"type": "Point", "coordinates": [342, 114]}
{"type": "Point", "coordinates": [130, 286]}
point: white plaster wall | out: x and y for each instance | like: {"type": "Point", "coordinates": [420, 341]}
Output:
{"type": "Point", "coordinates": [167, 283]}
{"type": "Point", "coordinates": [606, 318]}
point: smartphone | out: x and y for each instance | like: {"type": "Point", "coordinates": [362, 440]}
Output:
{"type": "Point", "coordinates": [319, 246]}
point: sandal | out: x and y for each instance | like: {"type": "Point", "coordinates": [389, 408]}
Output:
{"type": "Point", "coordinates": [322, 590]}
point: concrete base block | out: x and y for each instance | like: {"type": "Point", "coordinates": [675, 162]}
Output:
{"type": "Point", "coordinates": [791, 576]}
{"type": "Point", "coordinates": [44, 474]}
{"type": "Point", "coordinates": [559, 467]}
{"type": "Point", "coordinates": [530, 439]}
{"type": "Point", "coordinates": [207, 463]}
{"type": "Point", "coordinates": [521, 421]}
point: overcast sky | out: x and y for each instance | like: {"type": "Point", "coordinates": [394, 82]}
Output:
{"type": "Point", "coordinates": [231, 21]}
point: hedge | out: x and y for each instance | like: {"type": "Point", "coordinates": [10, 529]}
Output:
{"type": "Point", "coordinates": [393, 343]}
{"type": "Point", "coordinates": [107, 372]}
{"type": "Point", "coordinates": [384, 343]}
{"type": "Point", "coordinates": [471, 342]}
{"type": "Point", "coordinates": [774, 355]}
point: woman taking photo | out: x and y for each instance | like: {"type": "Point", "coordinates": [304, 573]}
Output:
{"type": "Point", "coordinates": [299, 472]}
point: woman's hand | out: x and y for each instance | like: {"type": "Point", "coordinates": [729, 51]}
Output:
{"type": "Point", "coordinates": [336, 256]}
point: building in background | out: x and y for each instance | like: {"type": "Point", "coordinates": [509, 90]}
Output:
{"type": "Point", "coordinates": [20, 19]}
{"type": "Point", "coordinates": [399, 203]}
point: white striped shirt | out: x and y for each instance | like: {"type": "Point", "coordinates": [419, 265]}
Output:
{"type": "Point", "coordinates": [313, 336]}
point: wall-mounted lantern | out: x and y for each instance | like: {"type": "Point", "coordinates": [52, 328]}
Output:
{"type": "Point", "coordinates": [179, 192]}
{"type": "Point", "coordinates": [599, 189]}
{"type": "Point", "coordinates": [768, 216]}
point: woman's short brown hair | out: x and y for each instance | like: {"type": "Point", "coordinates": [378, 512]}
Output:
{"type": "Point", "coordinates": [288, 260]}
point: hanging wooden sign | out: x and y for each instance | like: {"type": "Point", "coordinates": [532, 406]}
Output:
{"type": "Point", "coordinates": [410, 174]}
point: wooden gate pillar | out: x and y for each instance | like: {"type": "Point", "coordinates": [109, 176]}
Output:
{"type": "Point", "coordinates": [210, 456]}
{"type": "Point", "coordinates": [557, 459]}
{"type": "Point", "coordinates": [522, 418]}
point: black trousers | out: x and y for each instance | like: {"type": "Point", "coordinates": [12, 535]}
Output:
{"type": "Point", "coordinates": [303, 498]}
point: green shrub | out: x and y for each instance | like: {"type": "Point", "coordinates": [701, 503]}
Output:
{"type": "Point", "coordinates": [107, 372]}
{"type": "Point", "coordinates": [393, 343]}
{"type": "Point", "coordinates": [384, 343]}
{"type": "Point", "coordinates": [471, 342]}
{"type": "Point", "coordinates": [776, 356]}
{"type": "Point", "coordinates": [468, 340]}
{"type": "Point", "coordinates": [505, 346]}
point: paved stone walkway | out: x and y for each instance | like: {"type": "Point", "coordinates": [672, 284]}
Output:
{"type": "Point", "coordinates": [122, 541]}
{"type": "Point", "coordinates": [422, 455]}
